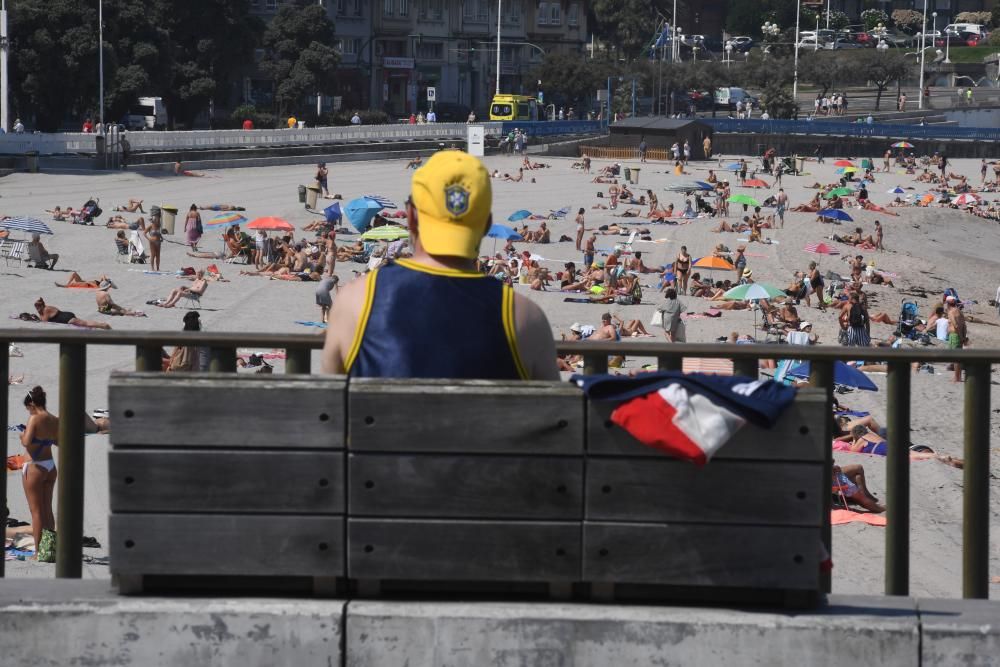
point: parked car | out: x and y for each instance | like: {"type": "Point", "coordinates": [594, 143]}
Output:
{"type": "Point", "coordinates": [929, 38]}
{"type": "Point", "coordinates": [891, 38]}
{"type": "Point", "coordinates": [843, 43]}
{"type": "Point", "coordinates": [742, 43]}
{"type": "Point", "coordinates": [976, 40]}
{"type": "Point", "coordinates": [959, 28]}
{"type": "Point", "coordinates": [952, 39]}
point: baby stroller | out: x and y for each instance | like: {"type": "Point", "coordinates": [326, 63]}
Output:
{"type": "Point", "coordinates": [907, 321]}
{"type": "Point", "coordinates": [89, 212]}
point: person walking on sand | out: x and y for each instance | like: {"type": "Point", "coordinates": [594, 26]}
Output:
{"type": "Point", "coordinates": [682, 269]}
{"type": "Point", "coordinates": [782, 204]}
{"type": "Point", "coordinates": [878, 237]}
{"type": "Point", "coordinates": [154, 235]}
{"type": "Point", "coordinates": [192, 227]}
{"type": "Point", "coordinates": [958, 334]}
{"type": "Point", "coordinates": [321, 178]}
{"type": "Point", "coordinates": [687, 152]}
{"type": "Point", "coordinates": [580, 229]}
{"type": "Point", "coordinates": [589, 249]}
{"type": "Point", "coordinates": [642, 149]}
{"type": "Point", "coordinates": [388, 323]}
{"type": "Point", "coordinates": [673, 325]}
{"type": "Point", "coordinates": [706, 147]}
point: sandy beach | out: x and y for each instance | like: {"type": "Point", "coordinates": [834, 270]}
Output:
{"type": "Point", "coordinates": [929, 249]}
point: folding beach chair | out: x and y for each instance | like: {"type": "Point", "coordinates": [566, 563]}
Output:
{"type": "Point", "coordinates": [136, 251]}
{"type": "Point", "coordinates": [13, 251]}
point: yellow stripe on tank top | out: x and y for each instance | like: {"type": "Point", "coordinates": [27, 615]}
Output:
{"type": "Point", "coordinates": [511, 331]}
{"type": "Point", "coordinates": [359, 330]}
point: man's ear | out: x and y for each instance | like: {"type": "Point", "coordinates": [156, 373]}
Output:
{"type": "Point", "coordinates": [411, 219]}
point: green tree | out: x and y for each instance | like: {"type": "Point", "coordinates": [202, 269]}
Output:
{"type": "Point", "coordinates": [777, 100]}
{"type": "Point", "coordinates": [629, 25]}
{"type": "Point", "coordinates": [745, 17]}
{"type": "Point", "coordinates": [824, 69]}
{"type": "Point", "coordinates": [569, 79]}
{"type": "Point", "coordinates": [882, 69]}
{"type": "Point", "coordinates": [300, 57]}
{"type": "Point", "coordinates": [136, 54]}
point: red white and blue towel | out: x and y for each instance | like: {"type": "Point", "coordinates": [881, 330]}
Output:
{"type": "Point", "coordinates": [687, 416]}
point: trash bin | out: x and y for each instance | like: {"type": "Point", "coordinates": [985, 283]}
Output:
{"type": "Point", "coordinates": [802, 164]}
{"type": "Point", "coordinates": [302, 194]}
{"type": "Point", "coordinates": [312, 194]}
{"type": "Point", "coordinates": [31, 159]}
{"type": "Point", "coordinates": [634, 180]}
{"type": "Point", "coordinates": [628, 174]}
{"type": "Point", "coordinates": [169, 216]}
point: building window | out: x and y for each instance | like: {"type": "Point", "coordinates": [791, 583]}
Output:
{"type": "Point", "coordinates": [356, 7]}
{"type": "Point", "coordinates": [387, 8]}
{"type": "Point", "coordinates": [430, 51]}
{"type": "Point", "coordinates": [543, 13]}
{"type": "Point", "coordinates": [469, 9]}
{"type": "Point", "coordinates": [514, 12]}
{"type": "Point", "coordinates": [348, 46]}
{"type": "Point", "coordinates": [555, 17]}
{"type": "Point", "coordinates": [484, 10]}
{"type": "Point", "coordinates": [572, 17]}
{"type": "Point", "coordinates": [404, 7]}
{"type": "Point", "coordinates": [341, 7]}
{"type": "Point", "coordinates": [271, 4]}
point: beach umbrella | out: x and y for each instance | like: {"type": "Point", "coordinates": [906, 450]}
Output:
{"type": "Point", "coordinates": [519, 215]}
{"type": "Point", "coordinates": [902, 144]}
{"type": "Point", "coordinates": [361, 211]}
{"type": "Point", "coordinates": [713, 262]}
{"type": "Point", "coordinates": [847, 170]}
{"type": "Point", "coordinates": [843, 163]}
{"type": "Point", "coordinates": [755, 183]}
{"type": "Point", "coordinates": [735, 166]}
{"type": "Point", "coordinates": [896, 191]}
{"type": "Point", "coordinates": [333, 212]}
{"type": "Point", "coordinates": [838, 192]}
{"type": "Point", "coordinates": [385, 233]}
{"type": "Point", "coordinates": [689, 186]}
{"type": "Point", "coordinates": [29, 225]}
{"type": "Point", "coordinates": [967, 199]}
{"type": "Point", "coordinates": [271, 223]}
{"type": "Point", "coordinates": [225, 220]}
{"type": "Point", "coordinates": [753, 292]}
{"type": "Point", "coordinates": [844, 375]}
{"type": "Point", "coordinates": [384, 201]}
{"type": "Point", "coordinates": [821, 249]}
{"type": "Point", "coordinates": [498, 231]}
{"type": "Point", "coordinates": [835, 214]}
{"type": "Point", "coordinates": [744, 199]}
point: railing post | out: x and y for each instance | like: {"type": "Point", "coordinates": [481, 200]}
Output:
{"type": "Point", "coordinates": [4, 397]}
{"type": "Point", "coordinates": [669, 361]}
{"type": "Point", "coordinates": [821, 377]}
{"type": "Point", "coordinates": [298, 361]}
{"type": "Point", "coordinates": [69, 524]}
{"type": "Point", "coordinates": [222, 360]}
{"type": "Point", "coordinates": [148, 358]}
{"type": "Point", "coordinates": [976, 498]}
{"type": "Point", "coordinates": [897, 531]}
{"type": "Point", "coordinates": [595, 364]}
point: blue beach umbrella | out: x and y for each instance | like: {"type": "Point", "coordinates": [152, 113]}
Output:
{"type": "Point", "coordinates": [498, 231]}
{"type": "Point", "coordinates": [384, 201]}
{"type": "Point", "coordinates": [333, 212]}
{"type": "Point", "coordinates": [733, 167]}
{"type": "Point", "coordinates": [361, 211]}
{"type": "Point", "coordinates": [29, 225]}
{"type": "Point", "coordinates": [225, 220]}
{"type": "Point", "coordinates": [519, 215]}
{"type": "Point", "coordinates": [844, 375]}
{"type": "Point", "coordinates": [896, 191]}
{"type": "Point", "coordinates": [835, 214]}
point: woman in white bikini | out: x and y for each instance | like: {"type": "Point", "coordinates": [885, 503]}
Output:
{"type": "Point", "coordinates": [39, 474]}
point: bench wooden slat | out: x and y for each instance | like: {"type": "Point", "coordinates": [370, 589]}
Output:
{"type": "Point", "coordinates": [483, 487]}
{"type": "Point", "coordinates": [785, 441]}
{"type": "Point", "coordinates": [226, 411]}
{"type": "Point", "coordinates": [220, 481]}
{"type": "Point", "coordinates": [702, 555]}
{"type": "Point", "coordinates": [464, 550]}
{"type": "Point", "coordinates": [238, 545]}
{"type": "Point", "coordinates": [492, 417]}
{"type": "Point", "coordinates": [723, 491]}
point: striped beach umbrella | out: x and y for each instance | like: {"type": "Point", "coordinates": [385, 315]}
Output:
{"type": "Point", "coordinates": [384, 201]}
{"type": "Point", "coordinates": [385, 233]}
{"type": "Point", "coordinates": [29, 225]}
{"type": "Point", "coordinates": [753, 292]}
{"type": "Point", "coordinates": [225, 220]}
{"type": "Point", "coordinates": [902, 144]}
{"type": "Point", "coordinates": [967, 199]}
{"type": "Point", "coordinates": [821, 249]}
{"type": "Point", "coordinates": [843, 163]}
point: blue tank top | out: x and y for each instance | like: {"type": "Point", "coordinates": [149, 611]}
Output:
{"type": "Point", "coordinates": [426, 322]}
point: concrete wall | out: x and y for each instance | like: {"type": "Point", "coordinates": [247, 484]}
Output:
{"type": "Point", "coordinates": [64, 622]}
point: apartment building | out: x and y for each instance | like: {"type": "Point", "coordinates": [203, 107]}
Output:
{"type": "Point", "coordinates": [392, 51]}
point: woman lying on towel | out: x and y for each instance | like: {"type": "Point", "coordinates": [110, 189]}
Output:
{"type": "Point", "coordinates": [812, 207]}
{"type": "Point", "coordinates": [869, 206]}
{"type": "Point", "coordinates": [863, 440]}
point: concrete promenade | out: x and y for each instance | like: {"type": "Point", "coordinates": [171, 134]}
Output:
{"type": "Point", "coordinates": [55, 622]}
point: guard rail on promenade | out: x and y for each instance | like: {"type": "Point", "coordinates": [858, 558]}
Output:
{"type": "Point", "coordinates": [976, 363]}
{"type": "Point", "coordinates": [889, 131]}
{"type": "Point", "coordinates": [67, 143]}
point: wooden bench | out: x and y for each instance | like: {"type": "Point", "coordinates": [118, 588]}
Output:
{"type": "Point", "coordinates": [439, 486]}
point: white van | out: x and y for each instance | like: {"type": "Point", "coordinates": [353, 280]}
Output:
{"type": "Point", "coordinates": [963, 28]}
{"type": "Point", "coordinates": [148, 113]}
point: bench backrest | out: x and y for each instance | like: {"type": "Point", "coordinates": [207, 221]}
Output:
{"type": "Point", "coordinates": [448, 481]}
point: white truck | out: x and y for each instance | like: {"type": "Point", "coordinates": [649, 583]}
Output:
{"type": "Point", "coordinates": [148, 113]}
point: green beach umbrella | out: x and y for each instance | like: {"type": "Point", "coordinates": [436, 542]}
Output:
{"type": "Point", "coordinates": [385, 233]}
{"type": "Point", "coordinates": [744, 199]}
{"type": "Point", "coordinates": [838, 192]}
{"type": "Point", "coordinates": [753, 292]}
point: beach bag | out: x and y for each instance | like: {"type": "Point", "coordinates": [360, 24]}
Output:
{"type": "Point", "coordinates": [197, 225]}
{"type": "Point", "coordinates": [657, 319]}
{"type": "Point", "coordinates": [47, 547]}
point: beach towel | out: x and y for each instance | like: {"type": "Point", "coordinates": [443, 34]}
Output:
{"type": "Point", "coordinates": [570, 299]}
{"type": "Point", "coordinates": [318, 325]}
{"type": "Point", "coordinates": [15, 462]}
{"type": "Point", "coordinates": [838, 517]}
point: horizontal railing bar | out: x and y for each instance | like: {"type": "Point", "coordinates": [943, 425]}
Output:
{"type": "Point", "coordinates": [708, 350]}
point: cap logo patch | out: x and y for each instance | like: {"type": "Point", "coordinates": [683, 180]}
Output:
{"type": "Point", "coordinates": [456, 199]}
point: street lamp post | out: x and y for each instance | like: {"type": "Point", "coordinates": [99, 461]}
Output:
{"type": "Point", "coordinates": [827, 14]}
{"type": "Point", "coordinates": [816, 45]}
{"type": "Point", "coordinates": [680, 39]}
{"type": "Point", "coordinates": [100, 58]}
{"type": "Point", "coordinates": [4, 112]}
{"type": "Point", "coordinates": [674, 48]}
{"type": "Point", "coordinates": [947, 43]}
{"type": "Point", "coordinates": [729, 54]}
{"type": "Point", "coordinates": [923, 36]}
{"type": "Point", "coordinates": [795, 67]}
{"type": "Point", "coordinates": [499, 7]}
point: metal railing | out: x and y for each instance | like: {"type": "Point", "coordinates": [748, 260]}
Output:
{"type": "Point", "coordinates": [976, 363]}
{"type": "Point", "coordinates": [889, 131]}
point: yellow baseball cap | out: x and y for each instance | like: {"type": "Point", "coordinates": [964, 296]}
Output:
{"type": "Point", "coordinates": [454, 198]}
